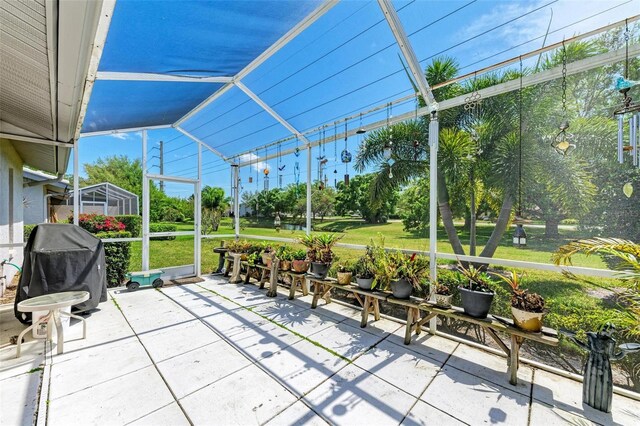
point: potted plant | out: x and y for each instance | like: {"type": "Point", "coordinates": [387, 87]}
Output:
{"type": "Point", "coordinates": [364, 271]}
{"type": "Point", "coordinates": [284, 253]}
{"type": "Point", "coordinates": [253, 259]}
{"type": "Point", "coordinates": [443, 288]}
{"type": "Point", "coordinates": [476, 293]}
{"type": "Point", "coordinates": [344, 273]}
{"type": "Point", "coordinates": [299, 262]}
{"type": "Point", "coordinates": [241, 247]}
{"type": "Point", "coordinates": [411, 272]}
{"type": "Point", "coordinates": [527, 308]}
{"type": "Point", "coordinates": [267, 253]}
{"type": "Point", "coordinates": [320, 252]}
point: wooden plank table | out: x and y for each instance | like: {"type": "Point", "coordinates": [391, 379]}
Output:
{"type": "Point", "coordinates": [517, 336]}
{"type": "Point", "coordinates": [368, 299]}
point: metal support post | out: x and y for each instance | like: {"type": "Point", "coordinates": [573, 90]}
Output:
{"type": "Point", "coordinates": [197, 213]}
{"type": "Point", "coordinates": [145, 204]}
{"type": "Point", "coordinates": [308, 189]}
{"type": "Point", "coordinates": [76, 182]}
{"type": "Point", "coordinates": [434, 129]}
{"type": "Point", "coordinates": [236, 198]}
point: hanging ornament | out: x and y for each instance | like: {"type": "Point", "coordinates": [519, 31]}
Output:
{"type": "Point", "coordinates": [390, 173]}
{"type": "Point", "coordinates": [519, 235]}
{"type": "Point", "coordinates": [562, 143]}
{"type": "Point", "coordinates": [345, 155]}
{"type": "Point", "coordinates": [627, 189]}
{"type": "Point", "coordinates": [628, 107]}
{"type": "Point", "coordinates": [387, 150]}
{"type": "Point", "coordinates": [361, 129]}
{"type": "Point", "coordinates": [346, 179]}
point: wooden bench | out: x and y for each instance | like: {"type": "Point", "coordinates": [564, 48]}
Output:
{"type": "Point", "coordinates": [267, 274]}
{"type": "Point", "coordinates": [368, 299]}
{"type": "Point", "coordinates": [233, 264]}
{"type": "Point", "coordinates": [415, 321]}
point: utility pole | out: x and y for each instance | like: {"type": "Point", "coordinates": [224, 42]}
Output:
{"type": "Point", "coordinates": [162, 165]}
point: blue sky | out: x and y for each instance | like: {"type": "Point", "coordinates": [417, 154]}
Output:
{"type": "Point", "coordinates": [346, 62]}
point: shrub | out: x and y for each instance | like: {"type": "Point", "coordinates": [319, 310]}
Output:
{"type": "Point", "coordinates": [27, 231]}
{"type": "Point", "coordinates": [163, 227]}
{"type": "Point", "coordinates": [132, 224]}
{"type": "Point", "coordinates": [117, 257]}
{"type": "Point", "coordinates": [98, 223]}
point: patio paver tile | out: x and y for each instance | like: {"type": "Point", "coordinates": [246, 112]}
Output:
{"type": "Point", "coordinates": [354, 397]}
{"type": "Point", "coordinates": [566, 395]}
{"type": "Point", "coordinates": [248, 396]}
{"type": "Point", "coordinates": [170, 415]}
{"type": "Point", "coordinates": [490, 367]}
{"type": "Point", "coordinates": [193, 370]}
{"type": "Point", "coordinates": [99, 364]}
{"type": "Point", "coordinates": [346, 340]}
{"type": "Point", "coordinates": [297, 415]}
{"type": "Point", "coordinates": [475, 401]}
{"type": "Point", "coordinates": [436, 347]}
{"type": "Point", "coordinates": [230, 323]}
{"type": "Point", "coordinates": [305, 322]}
{"type": "Point", "coordinates": [263, 341]}
{"type": "Point", "coordinates": [18, 398]}
{"type": "Point", "coordinates": [544, 414]}
{"type": "Point", "coordinates": [117, 401]}
{"type": "Point", "coordinates": [278, 307]}
{"type": "Point", "coordinates": [399, 366]}
{"type": "Point", "coordinates": [424, 414]}
{"type": "Point", "coordinates": [302, 366]}
{"type": "Point", "coordinates": [175, 340]}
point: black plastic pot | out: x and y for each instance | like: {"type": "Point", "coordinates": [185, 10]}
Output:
{"type": "Point", "coordinates": [365, 283]}
{"type": "Point", "coordinates": [319, 269]}
{"type": "Point", "coordinates": [401, 289]}
{"type": "Point", "coordinates": [476, 303]}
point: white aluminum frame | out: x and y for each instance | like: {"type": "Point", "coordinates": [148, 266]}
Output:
{"type": "Point", "coordinates": [141, 76]}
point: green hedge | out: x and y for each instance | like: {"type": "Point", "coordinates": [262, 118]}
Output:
{"type": "Point", "coordinates": [27, 231]}
{"type": "Point", "coordinates": [117, 257]}
{"type": "Point", "coordinates": [163, 227]}
{"type": "Point", "coordinates": [132, 224]}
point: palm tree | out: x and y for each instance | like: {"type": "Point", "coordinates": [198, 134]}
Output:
{"type": "Point", "coordinates": [494, 164]}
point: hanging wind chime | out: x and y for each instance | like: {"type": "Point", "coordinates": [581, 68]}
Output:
{"type": "Point", "coordinates": [632, 110]}
{"type": "Point", "coordinates": [345, 155]}
{"type": "Point", "coordinates": [335, 159]}
{"type": "Point", "coordinates": [266, 172]}
{"type": "Point", "coordinates": [281, 167]}
{"type": "Point", "coordinates": [322, 160]}
{"type": "Point", "coordinates": [562, 142]}
{"type": "Point", "coordinates": [519, 235]}
{"type": "Point", "coordinates": [388, 147]}
{"type": "Point", "coordinates": [296, 167]}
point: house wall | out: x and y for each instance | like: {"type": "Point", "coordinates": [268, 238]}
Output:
{"type": "Point", "coordinates": [11, 240]}
{"type": "Point", "coordinates": [34, 205]}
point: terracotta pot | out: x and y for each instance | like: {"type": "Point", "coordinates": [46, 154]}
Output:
{"type": "Point", "coordinates": [285, 265]}
{"type": "Point", "coordinates": [476, 303]}
{"type": "Point", "coordinates": [365, 283]}
{"type": "Point", "coordinates": [401, 289]}
{"type": "Point", "coordinates": [443, 300]}
{"type": "Point", "coordinates": [300, 266]}
{"type": "Point", "coordinates": [528, 321]}
{"type": "Point", "coordinates": [320, 270]}
{"type": "Point", "coordinates": [344, 278]}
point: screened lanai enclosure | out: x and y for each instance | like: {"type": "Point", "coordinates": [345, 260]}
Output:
{"type": "Point", "coordinates": [104, 198]}
{"type": "Point", "coordinates": [502, 139]}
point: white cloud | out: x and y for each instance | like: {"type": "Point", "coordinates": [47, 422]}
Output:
{"type": "Point", "coordinates": [121, 136]}
{"type": "Point", "coordinates": [565, 13]}
{"type": "Point", "coordinates": [251, 158]}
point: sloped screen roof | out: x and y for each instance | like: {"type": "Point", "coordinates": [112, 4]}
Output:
{"type": "Point", "coordinates": [182, 38]}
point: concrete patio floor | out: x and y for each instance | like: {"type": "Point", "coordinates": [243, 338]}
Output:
{"type": "Point", "coordinates": [220, 353]}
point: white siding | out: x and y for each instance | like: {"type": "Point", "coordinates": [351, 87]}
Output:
{"type": "Point", "coordinates": [9, 160]}
{"type": "Point", "coordinates": [34, 205]}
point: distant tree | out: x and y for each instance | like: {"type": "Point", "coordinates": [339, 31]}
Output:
{"type": "Point", "coordinates": [413, 206]}
{"type": "Point", "coordinates": [322, 201]}
{"type": "Point", "coordinates": [356, 198]}
{"type": "Point", "coordinates": [119, 170]}
{"type": "Point", "coordinates": [214, 203]}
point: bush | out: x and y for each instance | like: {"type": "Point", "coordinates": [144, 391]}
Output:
{"type": "Point", "coordinates": [162, 227]}
{"type": "Point", "coordinates": [27, 231]}
{"type": "Point", "coordinates": [95, 223]}
{"type": "Point", "coordinates": [132, 223]}
{"type": "Point", "coordinates": [117, 257]}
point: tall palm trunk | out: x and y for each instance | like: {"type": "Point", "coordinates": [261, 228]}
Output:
{"type": "Point", "coordinates": [447, 215]}
{"type": "Point", "coordinates": [500, 228]}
